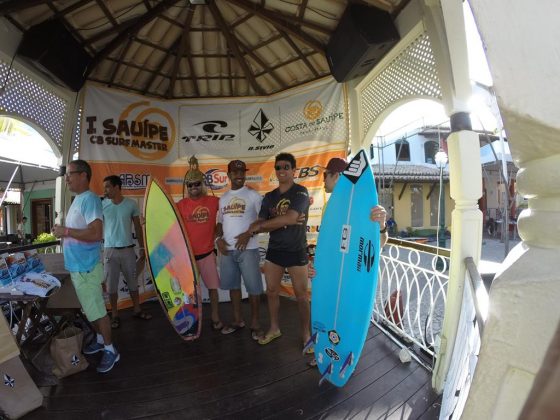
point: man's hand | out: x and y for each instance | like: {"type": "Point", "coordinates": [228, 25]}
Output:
{"type": "Point", "coordinates": [58, 231]}
{"type": "Point", "coordinates": [301, 219]}
{"type": "Point", "coordinates": [378, 214]}
{"type": "Point", "coordinates": [242, 240]}
{"type": "Point", "coordinates": [311, 272]}
{"type": "Point", "coordinates": [222, 245]}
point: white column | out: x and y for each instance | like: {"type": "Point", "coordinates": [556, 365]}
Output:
{"type": "Point", "coordinates": [524, 309]}
{"type": "Point", "coordinates": [445, 26]}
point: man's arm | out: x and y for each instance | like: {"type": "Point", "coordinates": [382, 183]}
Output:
{"type": "Point", "coordinates": [139, 236]}
{"type": "Point", "coordinates": [291, 217]}
{"type": "Point", "coordinates": [93, 232]}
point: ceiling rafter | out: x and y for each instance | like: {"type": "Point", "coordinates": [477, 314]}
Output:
{"type": "Point", "coordinates": [107, 12]}
{"type": "Point", "coordinates": [292, 44]}
{"type": "Point", "coordinates": [132, 30]}
{"type": "Point", "coordinates": [70, 28]}
{"type": "Point", "coordinates": [183, 43]}
{"type": "Point", "coordinates": [120, 61]}
{"type": "Point", "coordinates": [235, 48]}
{"type": "Point", "coordinates": [261, 63]}
{"type": "Point", "coordinates": [281, 22]}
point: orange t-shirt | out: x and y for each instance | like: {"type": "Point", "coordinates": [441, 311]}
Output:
{"type": "Point", "coordinates": [199, 217]}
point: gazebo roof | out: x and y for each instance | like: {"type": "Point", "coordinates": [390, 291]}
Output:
{"type": "Point", "coordinates": [190, 49]}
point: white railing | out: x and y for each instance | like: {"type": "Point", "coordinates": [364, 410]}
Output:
{"type": "Point", "coordinates": [410, 299]}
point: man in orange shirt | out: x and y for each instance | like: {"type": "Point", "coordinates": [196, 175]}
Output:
{"type": "Point", "coordinates": [199, 211]}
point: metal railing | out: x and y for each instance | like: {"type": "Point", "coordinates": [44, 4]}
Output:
{"type": "Point", "coordinates": [411, 294]}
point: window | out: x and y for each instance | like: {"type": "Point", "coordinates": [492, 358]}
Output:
{"type": "Point", "coordinates": [430, 150]}
{"type": "Point", "coordinates": [416, 206]}
{"type": "Point", "coordinates": [402, 150]}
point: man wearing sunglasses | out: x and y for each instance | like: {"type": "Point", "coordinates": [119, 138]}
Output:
{"type": "Point", "coordinates": [239, 207]}
{"type": "Point", "coordinates": [284, 212]}
{"type": "Point", "coordinates": [82, 235]}
{"type": "Point", "coordinates": [199, 211]}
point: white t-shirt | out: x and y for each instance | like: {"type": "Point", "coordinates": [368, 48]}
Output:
{"type": "Point", "coordinates": [238, 209]}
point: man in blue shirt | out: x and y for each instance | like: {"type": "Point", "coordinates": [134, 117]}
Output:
{"type": "Point", "coordinates": [82, 234]}
{"type": "Point", "coordinates": [119, 213]}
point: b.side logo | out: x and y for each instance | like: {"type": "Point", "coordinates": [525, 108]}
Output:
{"type": "Point", "coordinates": [260, 129]}
{"type": "Point", "coordinates": [213, 131]}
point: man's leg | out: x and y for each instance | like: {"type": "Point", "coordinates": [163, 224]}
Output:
{"type": "Point", "coordinates": [299, 282]}
{"type": "Point", "coordinates": [254, 302]}
{"type": "Point", "coordinates": [273, 275]}
{"type": "Point", "coordinates": [214, 302]}
{"type": "Point", "coordinates": [235, 296]}
{"type": "Point", "coordinates": [103, 327]}
{"type": "Point", "coordinates": [114, 298]}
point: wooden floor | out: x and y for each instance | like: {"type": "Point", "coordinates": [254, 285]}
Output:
{"type": "Point", "coordinates": [217, 376]}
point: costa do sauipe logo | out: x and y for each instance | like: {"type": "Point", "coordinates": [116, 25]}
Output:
{"type": "Point", "coordinates": [146, 132]}
{"type": "Point", "coordinates": [312, 110]}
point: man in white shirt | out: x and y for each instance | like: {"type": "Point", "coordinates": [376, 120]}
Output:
{"type": "Point", "coordinates": [238, 208]}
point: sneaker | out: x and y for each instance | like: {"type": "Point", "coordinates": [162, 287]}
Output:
{"type": "Point", "coordinates": [108, 361]}
{"type": "Point", "coordinates": [93, 348]}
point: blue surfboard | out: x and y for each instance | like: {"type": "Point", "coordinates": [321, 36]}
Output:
{"type": "Point", "coordinates": [347, 261]}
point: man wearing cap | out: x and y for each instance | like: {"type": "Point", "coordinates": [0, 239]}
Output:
{"type": "Point", "coordinates": [199, 212]}
{"type": "Point", "coordinates": [332, 172]}
{"type": "Point", "coordinates": [239, 207]}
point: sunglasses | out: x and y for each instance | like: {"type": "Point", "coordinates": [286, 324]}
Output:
{"type": "Point", "coordinates": [69, 173]}
{"type": "Point", "coordinates": [285, 167]}
{"type": "Point", "coordinates": [194, 184]}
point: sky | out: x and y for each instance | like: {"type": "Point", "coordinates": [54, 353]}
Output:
{"type": "Point", "coordinates": [28, 146]}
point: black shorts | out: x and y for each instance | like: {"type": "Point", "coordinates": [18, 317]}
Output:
{"type": "Point", "coordinates": [287, 258]}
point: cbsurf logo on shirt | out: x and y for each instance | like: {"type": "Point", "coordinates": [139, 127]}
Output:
{"type": "Point", "coordinates": [216, 179]}
{"type": "Point", "coordinates": [282, 207]}
{"type": "Point", "coordinates": [200, 214]}
{"type": "Point", "coordinates": [235, 207]}
{"type": "Point", "coordinates": [146, 132]}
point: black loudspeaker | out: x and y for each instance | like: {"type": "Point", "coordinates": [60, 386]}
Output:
{"type": "Point", "coordinates": [52, 49]}
{"type": "Point", "coordinates": [363, 36]}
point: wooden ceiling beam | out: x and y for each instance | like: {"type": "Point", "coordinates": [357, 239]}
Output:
{"type": "Point", "coordinates": [284, 23]}
{"type": "Point", "coordinates": [183, 43]}
{"type": "Point", "coordinates": [120, 61]}
{"type": "Point", "coordinates": [235, 48]}
{"type": "Point", "coordinates": [107, 12]}
{"type": "Point", "coordinates": [262, 64]}
{"type": "Point", "coordinates": [132, 30]}
{"type": "Point", "coordinates": [292, 44]}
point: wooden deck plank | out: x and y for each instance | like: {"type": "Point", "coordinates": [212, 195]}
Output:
{"type": "Point", "coordinates": [217, 376]}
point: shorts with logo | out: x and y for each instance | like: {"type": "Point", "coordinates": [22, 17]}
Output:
{"type": "Point", "coordinates": [287, 258]}
{"type": "Point", "coordinates": [241, 263]}
{"type": "Point", "coordinates": [89, 291]}
{"type": "Point", "coordinates": [119, 261]}
{"type": "Point", "coordinates": [208, 271]}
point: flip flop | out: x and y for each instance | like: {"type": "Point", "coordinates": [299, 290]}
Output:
{"type": "Point", "coordinates": [268, 338]}
{"type": "Point", "coordinates": [142, 315]}
{"type": "Point", "coordinates": [310, 350]}
{"type": "Point", "coordinates": [256, 334]}
{"type": "Point", "coordinates": [115, 322]}
{"type": "Point", "coordinates": [217, 325]}
{"type": "Point", "coordinates": [232, 328]}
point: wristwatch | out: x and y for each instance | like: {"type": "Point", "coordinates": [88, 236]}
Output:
{"type": "Point", "coordinates": [384, 230]}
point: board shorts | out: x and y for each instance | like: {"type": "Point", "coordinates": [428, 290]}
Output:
{"type": "Point", "coordinates": [119, 261]}
{"type": "Point", "coordinates": [287, 258]}
{"type": "Point", "coordinates": [208, 271]}
{"type": "Point", "coordinates": [89, 292]}
{"type": "Point", "coordinates": [241, 263]}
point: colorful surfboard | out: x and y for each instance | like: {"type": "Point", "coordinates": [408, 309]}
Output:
{"type": "Point", "coordinates": [171, 262]}
{"type": "Point", "coordinates": [346, 260]}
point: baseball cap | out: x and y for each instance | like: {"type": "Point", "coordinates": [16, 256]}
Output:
{"type": "Point", "coordinates": [336, 165]}
{"type": "Point", "coordinates": [236, 165]}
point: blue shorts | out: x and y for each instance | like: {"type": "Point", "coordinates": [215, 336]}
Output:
{"type": "Point", "coordinates": [241, 263]}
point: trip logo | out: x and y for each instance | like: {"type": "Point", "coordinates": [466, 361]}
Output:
{"type": "Point", "coordinates": [146, 132]}
{"type": "Point", "coordinates": [215, 179]}
{"type": "Point", "coordinates": [366, 255]}
{"type": "Point", "coordinates": [213, 131]}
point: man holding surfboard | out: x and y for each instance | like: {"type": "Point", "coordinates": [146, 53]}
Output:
{"type": "Point", "coordinates": [284, 213]}
{"type": "Point", "coordinates": [82, 235]}
{"type": "Point", "coordinates": [199, 212]}
{"type": "Point", "coordinates": [239, 207]}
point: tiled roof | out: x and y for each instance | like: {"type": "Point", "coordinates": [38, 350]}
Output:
{"type": "Point", "coordinates": [405, 172]}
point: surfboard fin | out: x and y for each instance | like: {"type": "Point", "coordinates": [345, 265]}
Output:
{"type": "Point", "coordinates": [328, 372]}
{"type": "Point", "coordinates": [310, 343]}
{"type": "Point", "coordinates": [348, 362]}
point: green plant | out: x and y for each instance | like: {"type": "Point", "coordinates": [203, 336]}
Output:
{"type": "Point", "coordinates": [44, 238]}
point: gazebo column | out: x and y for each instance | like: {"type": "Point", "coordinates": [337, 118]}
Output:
{"type": "Point", "coordinates": [445, 26]}
{"type": "Point", "coordinates": [524, 308]}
